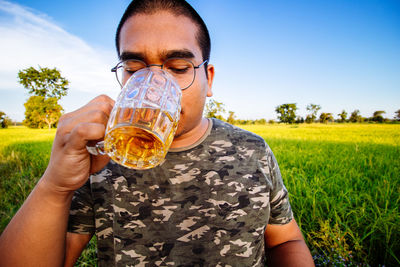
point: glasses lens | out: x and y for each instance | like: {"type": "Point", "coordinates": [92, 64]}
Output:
{"type": "Point", "coordinates": [182, 70]}
{"type": "Point", "coordinates": [127, 68]}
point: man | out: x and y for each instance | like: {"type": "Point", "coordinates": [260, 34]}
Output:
{"type": "Point", "coordinates": [214, 201]}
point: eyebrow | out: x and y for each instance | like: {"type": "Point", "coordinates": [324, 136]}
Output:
{"type": "Point", "coordinates": [181, 53]}
{"type": "Point", "coordinates": [131, 55]}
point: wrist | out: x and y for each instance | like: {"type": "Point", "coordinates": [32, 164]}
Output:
{"type": "Point", "coordinates": [53, 195]}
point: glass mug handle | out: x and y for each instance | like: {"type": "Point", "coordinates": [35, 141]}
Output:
{"type": "Point", "coordinates": [97, 149]}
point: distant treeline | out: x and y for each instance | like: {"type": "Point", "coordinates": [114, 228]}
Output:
{"type": "Point", "coordinates": [287, 114]}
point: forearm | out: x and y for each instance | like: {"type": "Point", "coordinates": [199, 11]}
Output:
{"type": "Point", "coordinates": [36, 234]}
{"type": "Point", "coordinates": [291, 253]}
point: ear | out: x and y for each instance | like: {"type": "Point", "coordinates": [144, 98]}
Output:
{"type": "Point", "coordinates": [210, 79]}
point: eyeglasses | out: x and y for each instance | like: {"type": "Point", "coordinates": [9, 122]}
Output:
{"type": "Point", "coordinates": [182, 69]}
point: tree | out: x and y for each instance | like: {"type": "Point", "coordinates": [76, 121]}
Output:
{"type": "Point", "coordinates": [44, 82]}
{"type": "Point", "coordinates": [5, 121]}
{"type": "Point", "coordinates": [299, 119]}
{"type": "Point", "coordinates": [261, 121]}
{"type": "Point", "coordinates": [343, 116]}
{"type": "Point", "coordinates": [47, 86]}
{"type": "Point", "coordinates": [313, 108]}
{"type": "Point", "coordinates": [397, 115]}
{"type": "Point", "coordinates": [41, 112]}
{"type": "Point", "coordinates": [325, 117]}
{"type": "Point", "coordinates": [377, 116]}
{"type": "Point", "coordinates": [287, 112]}
{"type": "Point", "coordinates": [231, 118]}
{"type": "Point", "coordinates": [214, 109]}
{"type": "Point", "coordinates": [355, 116]}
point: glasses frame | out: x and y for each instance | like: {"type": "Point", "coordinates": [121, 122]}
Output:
{"type": "Point", "coordinates": [119, 65]}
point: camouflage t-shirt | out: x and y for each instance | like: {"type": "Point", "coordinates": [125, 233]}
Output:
{"type": "Point", "coordinates": [207, 205]}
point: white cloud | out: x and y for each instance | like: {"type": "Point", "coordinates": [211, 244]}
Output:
{"type": "Point", "coordinates": [32, 39]}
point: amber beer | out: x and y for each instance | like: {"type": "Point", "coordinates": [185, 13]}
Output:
{"type": "Point", "coordinates": [135, 138]}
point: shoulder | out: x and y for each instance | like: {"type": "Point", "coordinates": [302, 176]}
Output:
{"type": "Point", "coordinates": [237, 136]}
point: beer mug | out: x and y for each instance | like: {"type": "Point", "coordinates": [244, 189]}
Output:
{"type": "Point", "coordinates": [143, 121]}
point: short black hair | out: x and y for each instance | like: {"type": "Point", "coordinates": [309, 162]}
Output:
{"type": "Point", "coordinates": [176, 7]}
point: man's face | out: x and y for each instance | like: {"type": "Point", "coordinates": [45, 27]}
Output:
{"type": "Point", "coordinates": [162, 35]}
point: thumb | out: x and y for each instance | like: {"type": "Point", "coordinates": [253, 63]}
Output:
{"type": "Point", "coordinates": [98, 163]}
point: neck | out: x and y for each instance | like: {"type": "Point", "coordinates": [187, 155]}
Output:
{"type": "Point", "coordinates": [191, 136]}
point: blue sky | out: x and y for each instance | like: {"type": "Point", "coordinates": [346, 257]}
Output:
{"type": "Point", "coordinates": [338, 54]}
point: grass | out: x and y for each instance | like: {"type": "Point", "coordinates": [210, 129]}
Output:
{"type": "Point", "coordinates": [24, 155]}
{"type": "Point", "coordinates": [344, 187]}
{"type": "Point", "coordinates": [343, 181]}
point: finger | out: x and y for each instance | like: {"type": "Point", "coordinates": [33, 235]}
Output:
{"type": "Point", "coordinates": [91, 116]}
{"type": "Point", "coordinates": [105, 107]}
{"type": "Point", "coordinates": [82, 133]}
{"type": "Point", "coordinates": [103, 102]}
{"type": "Point", "coordinates": [99, 99]}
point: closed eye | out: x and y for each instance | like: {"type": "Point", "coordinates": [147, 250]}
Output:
{"type": "Point", "coordinates": [130, 71]}
{"type": "Point", "coordinates": [179, 70]}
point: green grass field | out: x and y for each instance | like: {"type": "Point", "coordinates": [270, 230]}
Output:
{"type": "Point", "coordinates": [343, 181]}
{"type": "Point", "coordinates": [344, 186]}
{"type": "Point", "coordinates": [24, 154]}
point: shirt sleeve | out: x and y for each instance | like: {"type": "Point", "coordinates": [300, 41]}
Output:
{"type": "Point", "coordinates": [280, 209]}
{"type": "Point", "coordinates": [81, 215]}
